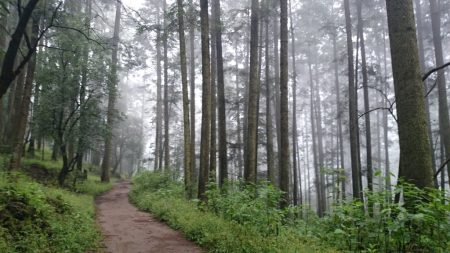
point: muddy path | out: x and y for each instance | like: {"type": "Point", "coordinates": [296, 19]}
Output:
{"type": "Point", "coordinates": [128, 230]}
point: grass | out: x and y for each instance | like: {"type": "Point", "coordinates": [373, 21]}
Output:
{"type": "Point", "coordinates": [36, 216]}
{"type": "Point", "coordinates": [209, 230]}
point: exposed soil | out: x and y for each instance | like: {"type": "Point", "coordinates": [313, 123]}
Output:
{"type": "Point", "coordinates": [128, 230]}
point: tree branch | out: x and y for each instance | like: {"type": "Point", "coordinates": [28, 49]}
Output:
{"type": "Point", "coordinates": [428, 74]}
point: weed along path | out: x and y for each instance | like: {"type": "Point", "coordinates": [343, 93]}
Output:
{"type": "Point", "coordinates": [128, 230]}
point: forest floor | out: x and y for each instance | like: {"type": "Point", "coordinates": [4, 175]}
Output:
{"type": "Point", "coordinates": [128, 230]}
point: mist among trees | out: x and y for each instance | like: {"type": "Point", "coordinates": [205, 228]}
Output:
{"type": "Point", "coordinates": [293, 119]}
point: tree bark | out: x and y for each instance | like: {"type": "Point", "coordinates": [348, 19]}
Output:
{"type": "Point", "coordinates": [206, 102]}
{"type": "Point", "coordinates": [185, 91]}
{"type": "Point", "coordinates": [366, 98]}
{"type": "Point", "coordinates": [251, 162]}
{"type": "Point", "coordinates": [222, 124]}
{"type": "Point", "coordinates": [420, 41]}
{"type": "Point", "coordinates": [9, 72]}
{"type": "Point", "coordinates": [166, 92]}
{"type": "Point", "coordinates": [213, 147]}
{"type": "Point", "coordinates": [192, 89]}
{"type": "Point", "coordinates": [269, 127]}
{"type": "Point", "coordinates": [22, 115]}
{"type": "Point", "coordinates": [352, 107]}
{"type": "Point", "coordinates": [112, 90]}
{"type": "Point", "coordinates": [159, 116]}
{"type": "Point", "coordinates": [296, 198]}
{"type": "Point", "coordinates": [415, 155]}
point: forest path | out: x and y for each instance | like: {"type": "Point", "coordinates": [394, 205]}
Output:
{"type": "Point", "coordinates": [128, 230]}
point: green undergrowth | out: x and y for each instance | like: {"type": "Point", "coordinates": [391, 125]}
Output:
{"type": "Point", "coordinates": [158, 194]}
{"type": "Point", "coordinates": [36, 216]}
{"type": "Point", "coordinates": [247, 219]}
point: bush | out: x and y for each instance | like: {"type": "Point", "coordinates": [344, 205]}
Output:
{"type": "Point", "coordinates": [217, 230]}
{"type": "Point", "coordinates": [35, 218]}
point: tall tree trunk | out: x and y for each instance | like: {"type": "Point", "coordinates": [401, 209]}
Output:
{"type": "Point", "coordinates": [240, 126]}
{"type": "Point", "coordinates": [22, 115]}
{"type": "Point", "coordinates": [320, 210]}
{"type": "Point", "coordinates": [284, 110]}
{"type": "Point", "coordinates": [357, 194]}
{"type": "Point", "coordinates": [222, 124]}
{"type": "Point", "coordinates": [213, 146]}
{"type": "Point", "coordinates": [341, 172]}
{"type": "Point", "coordinates": [387, 170]}
{"type": "Point", "coordinates": [444, 120]}
{"type": "Point", "coordinates": [192, 89]}
{"type": "Point", "coordinates": [251, 162]}
{"type": "Point", "coordinates": [158, 135]}
{"type": "Point", "coordinates": [166, 92]}
{"type": "Point", "coordinates": [420, 41]}
{"type": "Point", "coordinates": [206, 102]}
{"type": "Point", "coordinates": [84, 79]}
{"type": "Point", "coordinates": [269, 127]}
{"type": "Point", "coordinates": [295, 165]}
{"type": "Point", "coordinates": [112, 90]}
{"type": "Point", "coordinates": [185, 91]}
{"type": "Point", "coordinates": [366, 98]}
{"type": "Point", "coordinates": [318, 115]}
{"type": "Point", "coordinates": [415, 154]}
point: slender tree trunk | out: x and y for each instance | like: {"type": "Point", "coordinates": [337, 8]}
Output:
{"type": "Point", "coordinates": [222, 124]}
{"type": "Point", "coordinates": [213, 146]}
{"type": "Point", "coordinates": [444, 120]}
{"type": "Point", "coordinates": [318, 115]}
{"type": "Point", "coordinates": [206, 102]}
{"type": "Point", "coordinates": [112, 89]}
{"type": "Point", "coordinates": [366, 98]}
{"type": "Point", "coordinates": [250, 170]}
{"type": "Point", "coordinates": [158, 136]}
{"type": "Point", "coordinates": [166, 92]}
{"type": "Point", "coordinates": [284, 110]}
{"type": "Point", "coordinates": [192, 89]}
{"type": "Point", "coordinates": [320, 209]}
{"type": "Point", "coordinates": [341, 173]}
{"type": "Point", "coordinates": [269, 127]}
{"type": "Point", "coordinates": [415, 154]}
{"type": "Point", "coordinates": [185, 91]}
{"type": "Point", "coordinates": [387, 170]}
{"type": "Point", "coordinates": [238, 119]}
{"type": "Point", "coordinates": [352, 106]}
{"type": "Point", "coordinates": [297, 199]}
{"type": "Point", "coordinates": [84, 79]}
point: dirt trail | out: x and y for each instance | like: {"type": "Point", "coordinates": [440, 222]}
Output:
{"type": "Point", "coordinates": [128, 230]}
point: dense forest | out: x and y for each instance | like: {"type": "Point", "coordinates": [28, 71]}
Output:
{"type": "Point", "coordinates": [249, 126]}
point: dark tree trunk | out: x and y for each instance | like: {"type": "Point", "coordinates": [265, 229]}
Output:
{"type": "Point", "coordinates": [185, 91]}
{"type": "Point", "coordinates": [251, 162]}
{"type": "Point", "coordinates": [354, 153]}
{"type": "Point", "coordinates": [223, 160]}
{"type": "Point", "coordinates": [206, 102]}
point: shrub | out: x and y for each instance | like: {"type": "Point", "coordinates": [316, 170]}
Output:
{"type": "Point", "coordinates": [35, 218]}
{"type": "Point", "coordinates": [216, 226]}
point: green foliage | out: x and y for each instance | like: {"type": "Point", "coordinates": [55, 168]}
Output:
{"type": "Point", "coordinates": [218, 233]}
{"type": "Point", "coordinates": [92, 186]}
{"type": "Point", "coordinates": [420, 226]}
{"type": "Point", "coordinates": [35, 218]}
